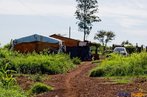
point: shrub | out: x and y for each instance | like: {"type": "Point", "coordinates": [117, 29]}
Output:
{"type": "Point", "coordinates": [38, 88]}
{"type": "Point", "coordinates": [51, 64]}
{"type": "Point", "coordinates": [98, 72]}
{"type": "Point", "coordinates": [76, 60]}
{"type": "Point", "coordinates": [36, 63]}
{"type": "Point", "coordinates": [130, 49]}
{"type": "Point", "coordinates": [117, 65]}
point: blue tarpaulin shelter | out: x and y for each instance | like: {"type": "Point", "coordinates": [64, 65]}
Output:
{"type": "Point", "coordinates": [37, 38]}
{"type": "Point", "coordinates": [35, 43]}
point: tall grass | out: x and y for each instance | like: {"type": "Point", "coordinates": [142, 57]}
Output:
{"type": "Point", "coordinates": [36, 63]}
{"type": "Point", "coordinates": [118, 65]}
{"type": "Point", "coordinates": [11, 93]}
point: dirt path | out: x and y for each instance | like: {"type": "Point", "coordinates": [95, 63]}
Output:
{"type": "Point", "coordinates": [70, 82]}
{"type": "Point", "coordinates": [76, 83]}
{"type": "Point", "coordinates": [65, 83]}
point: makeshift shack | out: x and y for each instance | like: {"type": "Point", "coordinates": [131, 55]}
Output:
{"type": "Point", "coordinates": [36, 43]}
{"type": "Point", "coordinates": [75, 48]}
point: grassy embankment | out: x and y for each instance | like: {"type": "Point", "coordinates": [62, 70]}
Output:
{"type": "Point", "coordinates": [118, 65]}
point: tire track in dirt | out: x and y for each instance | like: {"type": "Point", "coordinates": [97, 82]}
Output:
{"type": "Point", "coordinates": [64, 83]}
{"type": "Point", "coordinates": [86, 66]}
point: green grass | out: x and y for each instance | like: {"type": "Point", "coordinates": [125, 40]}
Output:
{"type": "Point", "coordinates": [36, 63]}
{"type": "Point", "coordinates": [118, 65]}
{"type": "Point", "coordinates": [12, 92]}
{"type": "Point", "coordinates": [76, 60]}
{"type": "Point", "coordinates": [128, 79]}
{"type": "Point", "coordinates": [122, 80]}
{"type": "Point", "coordinates": [38, 88]}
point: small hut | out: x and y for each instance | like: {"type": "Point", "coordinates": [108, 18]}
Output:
{"type": "Point", "coordinates": [36, 43]}
{"type": "Point", "coordinates": [75, 48]}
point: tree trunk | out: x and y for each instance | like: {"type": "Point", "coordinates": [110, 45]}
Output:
{"type": "Point", "coordinates": [84, 35]}
{"type": "Point", "coordinates": [84, 20]}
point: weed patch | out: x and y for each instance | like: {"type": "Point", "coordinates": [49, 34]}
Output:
{"type": "Point", "coordinates": [38, 88]}
{"type": "Point", "coordinates": [118, 65]}
{"type": "Point", "coordinates": [36, 63]}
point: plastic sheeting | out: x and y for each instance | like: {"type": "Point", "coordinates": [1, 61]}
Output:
{"type": "Point", "coordinates": [37, 38]}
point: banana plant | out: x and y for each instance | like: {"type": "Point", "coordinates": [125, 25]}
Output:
{"type": "Point", "coordinates": [6, 77]}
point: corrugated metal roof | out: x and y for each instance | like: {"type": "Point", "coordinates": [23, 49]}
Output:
{"type": "Point", "coordinates": [35, 38]}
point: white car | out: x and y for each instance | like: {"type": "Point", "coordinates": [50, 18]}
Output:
{"type": "Point", "coordinates": [120, 50]}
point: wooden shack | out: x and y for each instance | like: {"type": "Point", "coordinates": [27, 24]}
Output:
{"type": "Point", "coordinates": [69, 42]}
{"type": "Point", "coordinates": [36, 43]}
{"type": "Point", "coordinates": [75, 48]}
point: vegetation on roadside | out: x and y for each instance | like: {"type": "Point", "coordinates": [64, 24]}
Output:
{"type": "Point", "coordinates": [6, 77]}
{"type": "Point", "coordinates": [118, 65]}
{"type": "Point", "coordinates": [33, 63]}
{"type": "Point", "coordinates": [76, 60]}
{"type": "Point", "coordinates": [38, 88]}
{"type": "Point", "coordinates": [36, 63]}
{"type": "Point", "coordinates": [8, 86]}
{"type": "Point", "coordinates": [12, 92]}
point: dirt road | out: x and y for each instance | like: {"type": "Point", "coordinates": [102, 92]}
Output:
{"type": "Point", "coordinates": [76, 83]}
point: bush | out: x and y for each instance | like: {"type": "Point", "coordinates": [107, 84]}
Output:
{"type": "Point", "coordinates": [98, 72]}
{"type": "Point", "coordinates": [118, 65]}
{"type": "Point", "coordinates": [130, 49]}
{"type": "Point", "coordinates": [36, 63]}
{"type": "Point", "coordinates": [38, 88]}
{"type": "Point", "coordinates": [76, 60]}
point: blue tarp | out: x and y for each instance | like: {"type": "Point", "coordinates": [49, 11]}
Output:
{"type": "Point", "coordinates": [37, 38]}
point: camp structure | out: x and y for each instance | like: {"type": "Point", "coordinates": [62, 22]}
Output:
{"type": "Point", "coordinates": [69, 42]}
{"type": "Point", "coordinates": [36, 43]}
{"type": "Point", "coordinates": [75, 48]}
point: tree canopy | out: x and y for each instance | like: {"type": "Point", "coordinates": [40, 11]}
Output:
{"type": "Point", "coordinates": [85, 13]}
{"type": "Point", "coordinates": [104, 37]}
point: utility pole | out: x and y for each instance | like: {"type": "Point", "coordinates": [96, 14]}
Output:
{"type": "Point", "coordinates": [69, 31]}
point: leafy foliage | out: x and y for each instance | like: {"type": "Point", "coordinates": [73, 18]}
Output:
{"type": "Point", "coordinates": [126, 43]}
{"type": "Point", "coordinates": [85, 13]}
{"type": "Point", "coordinates": [104, 36]}
{"type": "Point", "coordinates": [76, 60]}
{"type": "Point", "coordinates": [6, 77]}
{"type": "Point", "coordinates": [118, 65]}
{"type": "Point", "coordinates": [38, 88]}
{"type": "Point", "coordinates": [130, 49]}
{"type": "Point", "coordinates": [36, 63]}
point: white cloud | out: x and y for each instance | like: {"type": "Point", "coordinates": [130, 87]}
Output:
{"type": "Point", "coordinates": [127, 13]}
{"type": "Point", "coordinates": [20, 7]}
{"type": "Point", "coordinates": [122, 11]}
{"type": "Point", "coordinates": [128, 22]}
{"type": "Point", "coordinates": [136, 8]}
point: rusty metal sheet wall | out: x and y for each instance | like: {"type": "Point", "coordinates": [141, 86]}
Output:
{"type": "Point", "coordinates": [34, 46]}
{"type": "Point", "coordinates": [67, 41]}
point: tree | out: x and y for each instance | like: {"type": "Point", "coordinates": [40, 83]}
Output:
{"type": "Point", "coordinates": [85, 13]}
{"type": "Point", "coordinates": [104, 37]}
{"type": "Point", "coordinates": [126, 43]}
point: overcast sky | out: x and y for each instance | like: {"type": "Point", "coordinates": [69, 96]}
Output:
{"type": "Point", "coordinates": [18, 18]}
